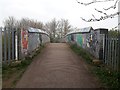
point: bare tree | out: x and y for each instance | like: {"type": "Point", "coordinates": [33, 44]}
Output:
{"type": "Point", "coordinates": [47, 27]}
{"type": "Point", "coordinates": [67, 26]}
{"type": "Point", "coordinates": [61, 28]}
{"type": "Point", "coordinates": [26, 22]}
{"type": "Point", "coordinates": [10, 22]}
{"type": "Point", "coordinates": [64, 27]}
{"type": "Point", "coordinates": [57, 28]}
{"type": "Point", "coordinates": [106, 16]}
{"type": "Point", "coordinates": [53, 28]}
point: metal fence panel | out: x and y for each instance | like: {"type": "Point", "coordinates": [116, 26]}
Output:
{"type": "Point", "coordinates": [112, 53]}
{"type": "Point", "coordinates": [12, 43]}
{"type": "Point", "coordinates": [0, 58]}
{"type": "Point", "coordinates": [9, 44]}
{"type": "Point", "coordinates": [45, 38]}
{"type": "Point", "coordinates": [5, 45]}
{"type": "Point", "coordinates": [119, 32]}
{"type": "Point", "coordinates": [0, 46]}
{"type": "Point", "coordinates": [33, 41]}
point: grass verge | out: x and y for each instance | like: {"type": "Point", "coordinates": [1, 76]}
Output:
{"type": "Point", "coordinates": [107, 77]}
{"type": "Point", "coordinates": [82, 53]}
{"type": "Point", "coordinates": [12, 73]}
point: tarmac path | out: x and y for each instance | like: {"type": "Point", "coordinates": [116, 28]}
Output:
{"type": "Point", "coordinates": [57, 66]}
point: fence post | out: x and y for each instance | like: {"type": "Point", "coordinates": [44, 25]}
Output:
{"type": "Point", "coordinates": [16, 44]}
{"type": "Point", "coordinates": [9, 44]}
{"type": "Point", "coordinates": [119, 52]}
{"type": "Point", "coordinates": [119, 33]}
{"type": "Point", "coordinates": [13, 43]}
{"type": "Point", "coordinates": [116, 61]}
{"type": "Point", "coordinates": [19, 43]}
{"type": "Point", "coordinates": [0, 46]}
{"type": "Point", "coordinates": [1, 58]}
{"type": "Point", "coordinates": [5, 46]}
{"type": "Point", "coordinates": [105, 49]}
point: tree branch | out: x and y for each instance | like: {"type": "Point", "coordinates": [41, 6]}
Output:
{"type": "Point", "coordinates": [101, 18]}
{"type": "Point", "coordinates": [114, 6]}
{"type": "Point", "coordinates": [94, 1]}
{"type": "Point", "coordinates": [116, 26]}
{"type": "Point", "coordinates": [101, 11]}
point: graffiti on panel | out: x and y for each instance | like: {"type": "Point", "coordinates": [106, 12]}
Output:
{"type": "Point", "coordinates": [24, 41]}
{"type": "Point", "coordinates": [69, 38]}
{"type": "Point", "coordinates": [92, 40]}
{"type": "Point", "coordinates": [88, 40]}
{"type": "Point", "coordinates": [80, 39]}
{"type": "Point", "coordinates": [72, 37]}
{"type": "Point", "coordinates": [93, 43]}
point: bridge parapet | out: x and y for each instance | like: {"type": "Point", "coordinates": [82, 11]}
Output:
{"type": "Point", "coordinates": [91, 40]}
{"type": "Point", "coordinates": [17, 43]}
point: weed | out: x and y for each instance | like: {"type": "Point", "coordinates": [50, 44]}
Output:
{"type": "Point", "coordinates": [15, 70]}
{"type": "Point", "coordinates": [108, 78]}
{"type": "Point", "coordinates": [80, 51]}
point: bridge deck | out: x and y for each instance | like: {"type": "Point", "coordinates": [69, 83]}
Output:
{"type": "Point", "coordinates": [57, 67]}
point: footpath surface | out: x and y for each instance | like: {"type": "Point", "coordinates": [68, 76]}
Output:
{"type": "Point", "coordinates": [57, 66]}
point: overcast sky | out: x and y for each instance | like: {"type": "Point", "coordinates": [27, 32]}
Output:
{"type": "Point", "coordinates": [45, 10]}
